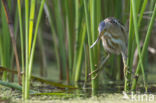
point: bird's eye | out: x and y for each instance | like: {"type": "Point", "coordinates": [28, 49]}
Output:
{"type": "Point", "coordinates": [114, 21]}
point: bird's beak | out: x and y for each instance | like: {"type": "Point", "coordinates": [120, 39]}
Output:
{"type": "Point", "coordinates": [96, 40]}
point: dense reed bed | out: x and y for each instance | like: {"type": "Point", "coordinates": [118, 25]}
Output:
{"type": "Point", "coordinates": [69, 27]}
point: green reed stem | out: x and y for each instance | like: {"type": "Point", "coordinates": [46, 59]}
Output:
{"type": "Point", "coordinates": [94, 85]}
{"type": "Point", "coordinates": [77, 29]}
{"type": "Point", "coordinates": [145, 46]}
{"type": "Point", "coordinates": [13, 41]}
{"type": "Point", "coordinates": [34, 44]}
{"type": "Point", "coordinates": [69, 28]}
{"type": "Point", "coordinates": [31, 23]}
{"type": "Point", "coordinates": [131, 36]}
{"type": "Point", "coordinates": [79, 57]}
{"type": "Point", "coordinates": [47, 12]}
{"type": "Point", "coordinates": [151, 6]}
{"type": "Point", "coordinates": [26, 48]}
{"type": "Point", "coordinates": [77, 16]}
{"type": "Point", "coordinates": [22, 45]}
{"type": "Point", "coordinates": [5, 42]}
{"type": "Point", "coordinates": [137, 36]}
{"type": "Point", "coordinates": [94, 36]}
{"type": "Point", "coordinates": [126, 86]}
{"type": "Point", "coordinates": [35, 36]}
{"type": "Point", "coordinates": [61, 38]}
{"type": "Point", "coordinates": [141, 13]}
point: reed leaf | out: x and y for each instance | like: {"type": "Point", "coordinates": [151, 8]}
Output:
{"type": "Point", "coordinates": [22, 44]}
{"type": "Point", "coordinates": [137, 36]}
{"type": "Point", "coordinates": [145, 46]}
{"type": "Point", "coordinates": [31, 23]}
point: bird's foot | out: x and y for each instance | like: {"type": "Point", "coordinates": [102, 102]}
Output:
{"type": "Point", "coordinates": [126, 71]}
{"type": "Point", "coordinates": [95, 76]}
{"type": "Point", "coordinates": [95, 71]}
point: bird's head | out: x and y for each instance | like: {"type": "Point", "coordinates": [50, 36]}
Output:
{"type": "Point", "coordinates": [102, 28]}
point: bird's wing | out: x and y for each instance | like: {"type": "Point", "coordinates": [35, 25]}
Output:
{"type": "Point", "coordinates": [125, 34]}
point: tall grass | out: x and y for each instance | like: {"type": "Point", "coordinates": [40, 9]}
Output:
{"type": "Point", "coordinates": [145, 46]}
{"type": "Point", "coordinates": [13, 41]}
{"type": "Point", "coordinates": [53, 32]}
{"type": "Point", "coordinates": [5, 53]}
{"type": "Point", "coordinates": [61, 37]}
{"type": "Point", "coordinates": [91, 38]}
{"type": "Point", "coordinates": [30, 59]}
{"type": "Point", "coordinates": [134, 26]}
{"type": "Point", "coordinates": [22, 45]}
{"type": "Point", "coordinates": [137, 35]}
{"type": "Point", "coordinates": [26, 84]}
{"type": "Point", "coordinates": [73, 26]}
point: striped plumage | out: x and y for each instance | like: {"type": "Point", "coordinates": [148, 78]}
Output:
{"type": "Point", "coordinates": [114, 36]}
{"type": "Point", "coordinates": [114, 39]}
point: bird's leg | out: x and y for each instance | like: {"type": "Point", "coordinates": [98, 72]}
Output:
{"type": "Point", "coordinates": [125, 70]}
{"type": "Point", "coordinates": [100, 67]}
{"type": "Point", "coordinates": [95, 76]}
{"type": "Point", "coordinates": [124, 58]}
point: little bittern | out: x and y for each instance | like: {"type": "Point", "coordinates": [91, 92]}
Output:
{"type": "Point", "coordinates": [114, 38]}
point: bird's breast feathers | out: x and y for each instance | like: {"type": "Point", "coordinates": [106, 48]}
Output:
{"type": "Point", "coordinates": [112, 45]}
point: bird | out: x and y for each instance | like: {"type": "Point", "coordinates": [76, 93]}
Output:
{"type": "Point", "coordinates": [114, 38]}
